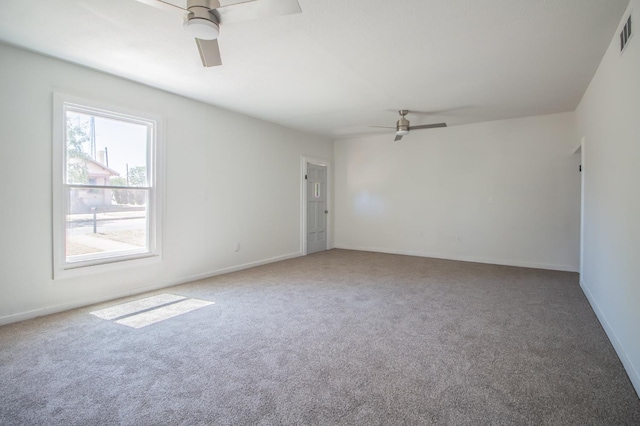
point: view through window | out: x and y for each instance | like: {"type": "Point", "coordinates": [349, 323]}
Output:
{"type": "Point", "coordinates": [108, 185]}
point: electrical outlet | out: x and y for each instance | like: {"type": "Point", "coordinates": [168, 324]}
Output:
{"type": "Point", "coordinates": [237, 247]}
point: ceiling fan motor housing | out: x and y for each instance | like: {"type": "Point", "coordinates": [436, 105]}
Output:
{"type": "Point", "coordinates": [199, 22]}
{"type": "Point", "coordinates": [402, 126]}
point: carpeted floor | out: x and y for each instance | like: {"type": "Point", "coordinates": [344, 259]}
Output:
{"type": "Point", "coordinates": [338, 337]}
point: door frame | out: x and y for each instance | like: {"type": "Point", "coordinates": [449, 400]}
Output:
{"type": "Point", "coordinates": [303, 198]}
{"type": "Point", "coordinates": [582, 182]}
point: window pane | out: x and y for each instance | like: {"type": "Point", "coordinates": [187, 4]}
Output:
{"type": "Point", "coordinates": [104, 223]}
{"type": "Point", "coordinates": [105, 151]}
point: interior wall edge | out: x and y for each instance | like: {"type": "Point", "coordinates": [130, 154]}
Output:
{"type": "Point", "coordinates": [607, 118]}
{"type": "Point", "coordinates": [501, 262]}
{"type": "Point", "coordinates": [631, 369]}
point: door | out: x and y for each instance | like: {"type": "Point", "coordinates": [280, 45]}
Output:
{"type": "Point", "coordinates": [316, 208]}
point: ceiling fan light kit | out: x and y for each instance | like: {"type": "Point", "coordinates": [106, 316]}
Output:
{"type": "Point", "coordinates": [204, 29]}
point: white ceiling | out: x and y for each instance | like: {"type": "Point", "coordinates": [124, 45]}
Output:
{"type": "Point", "coordinates": [343, 65]}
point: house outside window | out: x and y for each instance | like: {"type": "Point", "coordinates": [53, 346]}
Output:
{"type": "Point", "coordinates": [106, 186]}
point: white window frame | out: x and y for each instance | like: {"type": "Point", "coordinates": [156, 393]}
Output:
{"type": "Point", "coordinates": [63, 269]}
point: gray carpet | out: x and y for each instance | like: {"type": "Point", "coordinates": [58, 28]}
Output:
{"type": "Point", "coordinates": [339, 337]}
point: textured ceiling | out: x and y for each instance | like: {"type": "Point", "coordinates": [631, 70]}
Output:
{"type": "Point", "coordinates": [343, 65]}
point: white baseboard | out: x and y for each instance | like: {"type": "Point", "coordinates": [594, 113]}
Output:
{"type": "Point", "coordinates": [236, 268]}
{"type": "Point", "coordinates": [521, 264]}
{"type": "Point", "coordinates": [40, 312]}
{"type": "Point", "coordinates": [632, 372]}
{"type": "Point", "coordinates": [22, 316]}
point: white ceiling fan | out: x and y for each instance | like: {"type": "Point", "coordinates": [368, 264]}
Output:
{"type": "Point", "coordinates": [403, 127]}
{"type": "Point", "coordinates": [203, 18]}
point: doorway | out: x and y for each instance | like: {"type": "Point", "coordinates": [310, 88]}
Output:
{"type": "Point", "coordinates": [315, 211]}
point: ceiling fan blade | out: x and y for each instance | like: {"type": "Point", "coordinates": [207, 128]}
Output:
{"type": "Point", "coordinates": [433, 111]}
{"type": "Point", "coordinates": [398, 137]}
{"type": "Point", "coordinates": [223, 3]}
{"type": "Point", "coordinates": [164, 5]}
{"type": "Point", "coordinates": [250, 10]}
{"type": "Point", "coordinates": [383, 127]}
{"type": "Point", "coordinates": [209, 52]}
{"type": "Point", "coordinates": [428, 126]}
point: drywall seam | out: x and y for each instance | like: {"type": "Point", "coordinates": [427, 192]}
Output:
{"type": "Point", "coordinates": [622, 354]}
{"type": "Point", "coordinates": [520, 264]}
{"type": "Point", "coordinates": [22, 316]}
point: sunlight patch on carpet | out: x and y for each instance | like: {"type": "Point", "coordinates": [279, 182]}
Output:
{"type": "Point", "coordinates": [151, 310]}
{"type": "Point", "coordinates": [160, 314]}
{"type": "Point", "coordinates": [136, 306]}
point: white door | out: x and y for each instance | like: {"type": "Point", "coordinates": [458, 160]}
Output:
{"type": "Point", "coordinates": [316, 208]}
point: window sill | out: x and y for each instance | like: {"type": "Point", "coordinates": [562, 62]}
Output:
{"type": "Point", "coordinates": [102, 265]}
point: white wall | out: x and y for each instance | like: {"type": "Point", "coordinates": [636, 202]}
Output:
{"type": "Point", "coordinates": [429, 194]}
{"type": "Point", "coordinates": [230, 178]}
{"type": "Point", "coordinates": [609, 119]}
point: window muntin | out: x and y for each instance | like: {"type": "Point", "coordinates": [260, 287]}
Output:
{"type": "Point", "coordinates": [106, 185]}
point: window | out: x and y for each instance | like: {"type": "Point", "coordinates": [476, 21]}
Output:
{"type": "Point", "coordinates": [105, 185]}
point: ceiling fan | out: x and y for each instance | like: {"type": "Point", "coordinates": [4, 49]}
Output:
{"type": "Point", "coordinates": [403, 126]}
{"type": "Point", "coordinates": [203, 18]}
